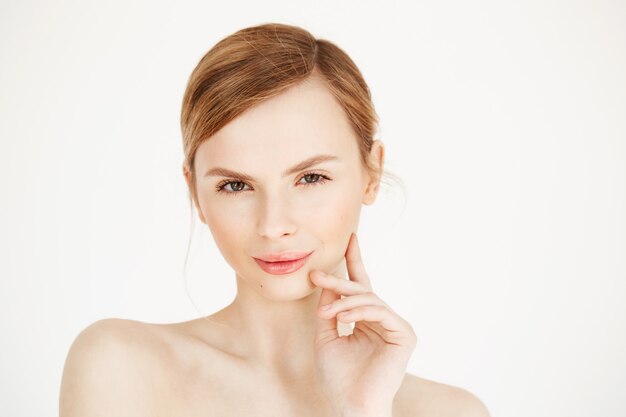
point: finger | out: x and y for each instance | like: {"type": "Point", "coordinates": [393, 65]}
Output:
{"type": "Point", "coordinates": [339, 285]}
{"type": "Point", "coordinates": [354, 263]}
{"type": "Point", "coordinates": [395, 329]}
{"type": "Point", "coordinates": [383, 322]}
{"type": "Point", "coordinates": [326, 327]}
{"type": "Point", "coordinates": [349, 303]}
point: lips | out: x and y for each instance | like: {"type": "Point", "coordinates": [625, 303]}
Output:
{"type": "Point", "coordinates": [281, 264]}
{"type": "Point", "coordinates": [283, 256]}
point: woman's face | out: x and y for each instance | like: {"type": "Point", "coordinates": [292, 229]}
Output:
{"type": "Point", "coordinates": [280, 204]}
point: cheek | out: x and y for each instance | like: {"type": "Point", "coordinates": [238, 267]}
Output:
{"type": "Point", "coordinates": [329, 214]}
{"type": "Point", "coordinates": [333, 217]}
{"type": "Point", "coordinates": [227, 228]}
{"type": "Point", "coordinates": [335, 221]}
{"type": "Point", "coordinates": [337, 213]}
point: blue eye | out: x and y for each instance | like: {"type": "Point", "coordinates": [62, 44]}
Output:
{"type": "Point", "coordinates": [311, 178]}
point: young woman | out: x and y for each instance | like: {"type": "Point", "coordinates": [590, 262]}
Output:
{"type": "Point", "coordinates": [278, 133]}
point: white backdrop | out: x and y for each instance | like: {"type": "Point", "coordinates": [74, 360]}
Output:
{"type": "Point", "coordinates": [505, 119]}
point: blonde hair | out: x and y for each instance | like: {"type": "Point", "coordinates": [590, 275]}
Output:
{"type": "Point", "coordinates": [259, 62]}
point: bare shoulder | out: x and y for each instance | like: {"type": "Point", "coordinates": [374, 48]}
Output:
{"type": "Point", "coordinates": [110, 370]}
{"type": "Point", "coordinates": [419, 397]}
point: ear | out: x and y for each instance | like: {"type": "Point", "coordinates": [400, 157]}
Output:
{"type": "Point", "coordinates": [377, 159]}
{"type": "Point", "coordinates": [187, 174]}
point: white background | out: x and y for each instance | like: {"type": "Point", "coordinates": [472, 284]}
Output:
{"type": "Point", "coordinates": [505, 119]}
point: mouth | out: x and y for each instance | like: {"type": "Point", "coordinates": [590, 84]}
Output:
{"type": "Point", "coordinates": [283, 267]}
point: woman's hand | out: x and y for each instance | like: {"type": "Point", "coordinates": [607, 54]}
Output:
{"type": "Point", "coordinates": [362, 372]}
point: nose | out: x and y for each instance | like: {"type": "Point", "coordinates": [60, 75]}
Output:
{"type": "Point", "coordinates": [274, 217]}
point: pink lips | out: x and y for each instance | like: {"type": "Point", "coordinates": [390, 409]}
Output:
{"type": "Point", "coordinates": [284, 263]}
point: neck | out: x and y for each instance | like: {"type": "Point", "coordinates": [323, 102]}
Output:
{"type": "Point", "coordinates": [275, 325]}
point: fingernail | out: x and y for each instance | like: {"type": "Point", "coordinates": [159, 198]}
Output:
{"type": "Point", "coordinates": [326, 307]}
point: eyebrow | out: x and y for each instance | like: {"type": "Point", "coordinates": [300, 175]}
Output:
{"type": "Point", "coordinates": [218, 171]}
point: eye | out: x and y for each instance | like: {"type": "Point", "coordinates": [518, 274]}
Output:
{"type": "Point", "coordinates": [236, 187]}
{"type": "Point", "coordinates": [315, 178]}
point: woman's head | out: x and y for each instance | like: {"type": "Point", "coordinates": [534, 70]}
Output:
{"type": "Point", "coordinates": [260, 102]}
{"type": "Point", "coordinates": [256, 63]}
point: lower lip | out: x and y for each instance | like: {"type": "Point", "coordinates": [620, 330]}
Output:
{"type": "Point", "coordinates": [282, 268]}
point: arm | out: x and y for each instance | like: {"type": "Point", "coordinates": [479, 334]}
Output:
{"type": "Point", "coordinates": [103, 374]}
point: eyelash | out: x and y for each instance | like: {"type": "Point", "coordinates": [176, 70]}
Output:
{"type": "Point", "coordinates": [220, 187]}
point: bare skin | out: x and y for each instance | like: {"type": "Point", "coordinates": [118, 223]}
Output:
{"type": "Point", "coordinates": [198, 368]}
{"type": "Point", "coordinates": [256, 356]}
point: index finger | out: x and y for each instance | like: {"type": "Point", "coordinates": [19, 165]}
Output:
{"type": "Point", "coordinates": [354, 263]}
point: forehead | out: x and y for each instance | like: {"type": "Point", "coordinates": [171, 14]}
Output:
{"type": "Point", "coordinates": [304, 120]}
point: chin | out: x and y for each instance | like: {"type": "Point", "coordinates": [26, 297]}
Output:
{"type": "Point", "coordinates": [288, 288]}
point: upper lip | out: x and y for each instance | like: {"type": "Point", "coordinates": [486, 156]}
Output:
{"type": "Point", "coordinates": [282, 256]}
